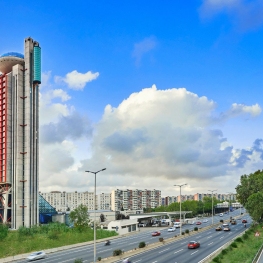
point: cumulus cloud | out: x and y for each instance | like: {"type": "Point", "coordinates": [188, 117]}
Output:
{"type": "Point", "coordinates": [73, 126]}
{"type": "Point", "coordinates": [165, 135]}
{"type": "Point", "coordinates": [143, 47]}
{"type": "Point", "coordinates": [153, 139]}
{"type": "Point", "coordinates": [76, 80]}
{"type": "Point", "coordinates": [244, 13]}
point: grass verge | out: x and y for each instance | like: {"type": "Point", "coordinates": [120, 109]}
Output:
{"type": "Point", "coordinates": [242, 249]}
{"type": "Point", "coordinates": [26, 240]}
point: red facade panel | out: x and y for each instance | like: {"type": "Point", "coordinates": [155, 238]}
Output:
{"type": "Point", "coordinates": [3, 127]}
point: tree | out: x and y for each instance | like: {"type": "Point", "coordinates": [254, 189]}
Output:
{"type": "Point", "coordinates": [102, 218]}
{"type": "Point", "coordinates": [79, 216]}
{"type": "Point", "coordinates": [249, 184]}
{"type": "Point", "coordinates": [250, 194]}
{"type": "Point", "coordinates": [254, 206]}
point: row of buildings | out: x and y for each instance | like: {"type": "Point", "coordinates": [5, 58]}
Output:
{"type": "Point", "coordinates": [197, 197]}
{"type": "Point", "coordinates": [119, 200]}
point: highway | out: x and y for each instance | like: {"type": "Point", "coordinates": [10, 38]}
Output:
{"type": "Point", "coordinates": [174, 252]}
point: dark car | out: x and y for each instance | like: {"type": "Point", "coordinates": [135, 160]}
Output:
{"type": "Point", "coordinates": [233, 222]}
{"type": "Point", "coordinates": [193, 244]}
{"type": "Point", "coordinates": [156, 233]}
{"type": "Point", "coordinates": [244, 221]}
{"type": "Point", "coordinates": [219, 228]}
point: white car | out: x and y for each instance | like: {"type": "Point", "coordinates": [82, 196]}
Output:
{"type": "Point", "coordinates": [36, 255]}
{"type": "Point", "coordinates": [171, 229]}
{"type": "Point", "coordinates": [205, 221]}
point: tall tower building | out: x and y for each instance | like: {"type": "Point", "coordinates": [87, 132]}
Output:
{"type": "Point", "coordinates": [20, 76]}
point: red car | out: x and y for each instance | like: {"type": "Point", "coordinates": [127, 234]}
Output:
{"type": "Point", "coordinates": [198, 223]}
{"type": "Point", "coordinates": [156, 233]}
{"type": "Point", "coordinates": [244, 221]}
{"type": "Point", "coordinates": [193, 244]}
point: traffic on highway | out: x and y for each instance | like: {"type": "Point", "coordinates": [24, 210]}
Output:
{"type": "Point", "coordinates": [177, 251]}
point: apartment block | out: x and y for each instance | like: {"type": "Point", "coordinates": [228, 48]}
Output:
{"type": "Point", "coordinates": [135, 199]}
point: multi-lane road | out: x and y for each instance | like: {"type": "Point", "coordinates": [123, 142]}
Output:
{"type": "Point", "coordinates": [173, 252]}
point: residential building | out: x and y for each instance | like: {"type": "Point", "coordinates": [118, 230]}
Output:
{"type": "Point", "coordinates": [135, 199]}
{"type": "Point", "coordinates": [68, 201]}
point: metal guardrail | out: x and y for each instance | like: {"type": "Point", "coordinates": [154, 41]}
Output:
{"type": "Point", "coordinates": [255, 259]}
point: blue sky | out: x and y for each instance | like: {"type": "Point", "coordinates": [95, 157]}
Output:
{"type": "Point", "coordinates": [159, 93]}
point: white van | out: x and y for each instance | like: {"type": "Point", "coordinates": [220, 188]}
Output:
{"type": "Point", "coordinates": [177, 224]}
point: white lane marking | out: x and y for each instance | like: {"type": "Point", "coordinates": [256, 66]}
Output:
{"type": "Point", "coordinates": [178, 251]}
{"type": "Point", "coordinates": [154, 261]}
{"type": "Point", "coordinates": [164, 250]}
{"type": "Point", "coordinates": [209, 237]}
{"type": "Point", "coordinates": [137, 261]}
{"type": "Point", "coordinates": [194, 252]}
{"type": "Point", "coordinates": [221, 237]}
{"type": "Point", "coordinates": [183, 242]}
{"type": "Point", "coordinates": [210, 243]}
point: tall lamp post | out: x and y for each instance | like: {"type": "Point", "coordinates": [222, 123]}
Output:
{"type": "Point", "coordinates": [212, 204]}
{"type": "Point", "coordinates": [180, 185]}
{"type": "Point", "coordinates": [94, 223]}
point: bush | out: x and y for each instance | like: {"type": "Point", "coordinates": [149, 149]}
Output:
{"type": "Point", "coordinates": [161, 239]}
{"type": "Point", "coordinates": [117, 252]}
{"type": "Point", "coordinates": [234, 244]}
{"type": "Point", "coordinates": [186, 231]}
{"type": "Point", "coordinates": [3, 231]}
{"type": "Point", "coordinates": [78, 260]}
{"type": "Point", "coordinates": [221, 221]}
{"type": "Point", "coordinates": [99, 258]}
{"type": "Point", "coordinates": [224, 251]}
{"type": "Point", "coordinates": [245, 236]}
{"type": "Point", "coordinates": [142, 244]}
{"type": "Point", "coordinates": [239, 239]}
{"type": "Point", "coordinates": [217, 259]}
{"type": "Point", "coordinates": [182, 233]}
{"type": "Point", "coordinates": [196, 228]}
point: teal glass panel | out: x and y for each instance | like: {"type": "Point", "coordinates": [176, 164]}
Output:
{"type": "Point", "coordinates": [37, 65]}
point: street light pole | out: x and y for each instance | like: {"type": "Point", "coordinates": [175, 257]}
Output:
{"type": "Point", "coordinates": [212, 204]}
{"type": "Point", "coordinates": [180, 185]}
{"type": "Point", "coordinates": [94, 223]}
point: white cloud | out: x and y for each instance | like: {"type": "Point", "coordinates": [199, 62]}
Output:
{"type": "Point", "coordinates": [153, 139]}
{"type": "Point", "coordinates": [143, 47]}
{"type": "Point", "coordinates": [156, 138]}
{"type": "Point", "coordinates": [246, 15]}
{"type": "Point", "coordinates": [76, 80]}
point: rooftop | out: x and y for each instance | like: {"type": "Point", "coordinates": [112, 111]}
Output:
{"type": "Point", "coordinates": [12, 54]}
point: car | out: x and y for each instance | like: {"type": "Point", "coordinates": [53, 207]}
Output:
{"type": "Point", "coordinates": [156, 233]}
{"type": "Point", "coordinates": [177, 224]}
{"type": "Point", "coordinates": [198, 223]}
{"type": "Point", "coordinates": [205, 221]}
{"type": "Point", "coordinates": [171, 229]}
{"type": "Point", "coordinates": [193, 244]}
{"type": "Point", "coordinates": [219, 228]}
{"type": "Point", "coordinates": [141, 224]}
{"type": "Point", "coordinates": [233, 222]}
{"type": "Point", "coordinates": [221, 214]}
{"type": "Point", "coordinates": [155, 224]}
{"type": "Point", "coordinates": [36, 255]}
{"type": "Point", "coordinates": [226, 228]}
{"type": "Point", "coordinates": [225, 225]}
{"type": "Point", "coordinates": [244, 221]}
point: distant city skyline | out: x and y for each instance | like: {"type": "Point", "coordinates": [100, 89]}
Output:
{"type": "Point", "coordinates": [161, 94]}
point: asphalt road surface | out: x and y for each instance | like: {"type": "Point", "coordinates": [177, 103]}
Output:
{"type": "Point", "coordinates": [210, 240]}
